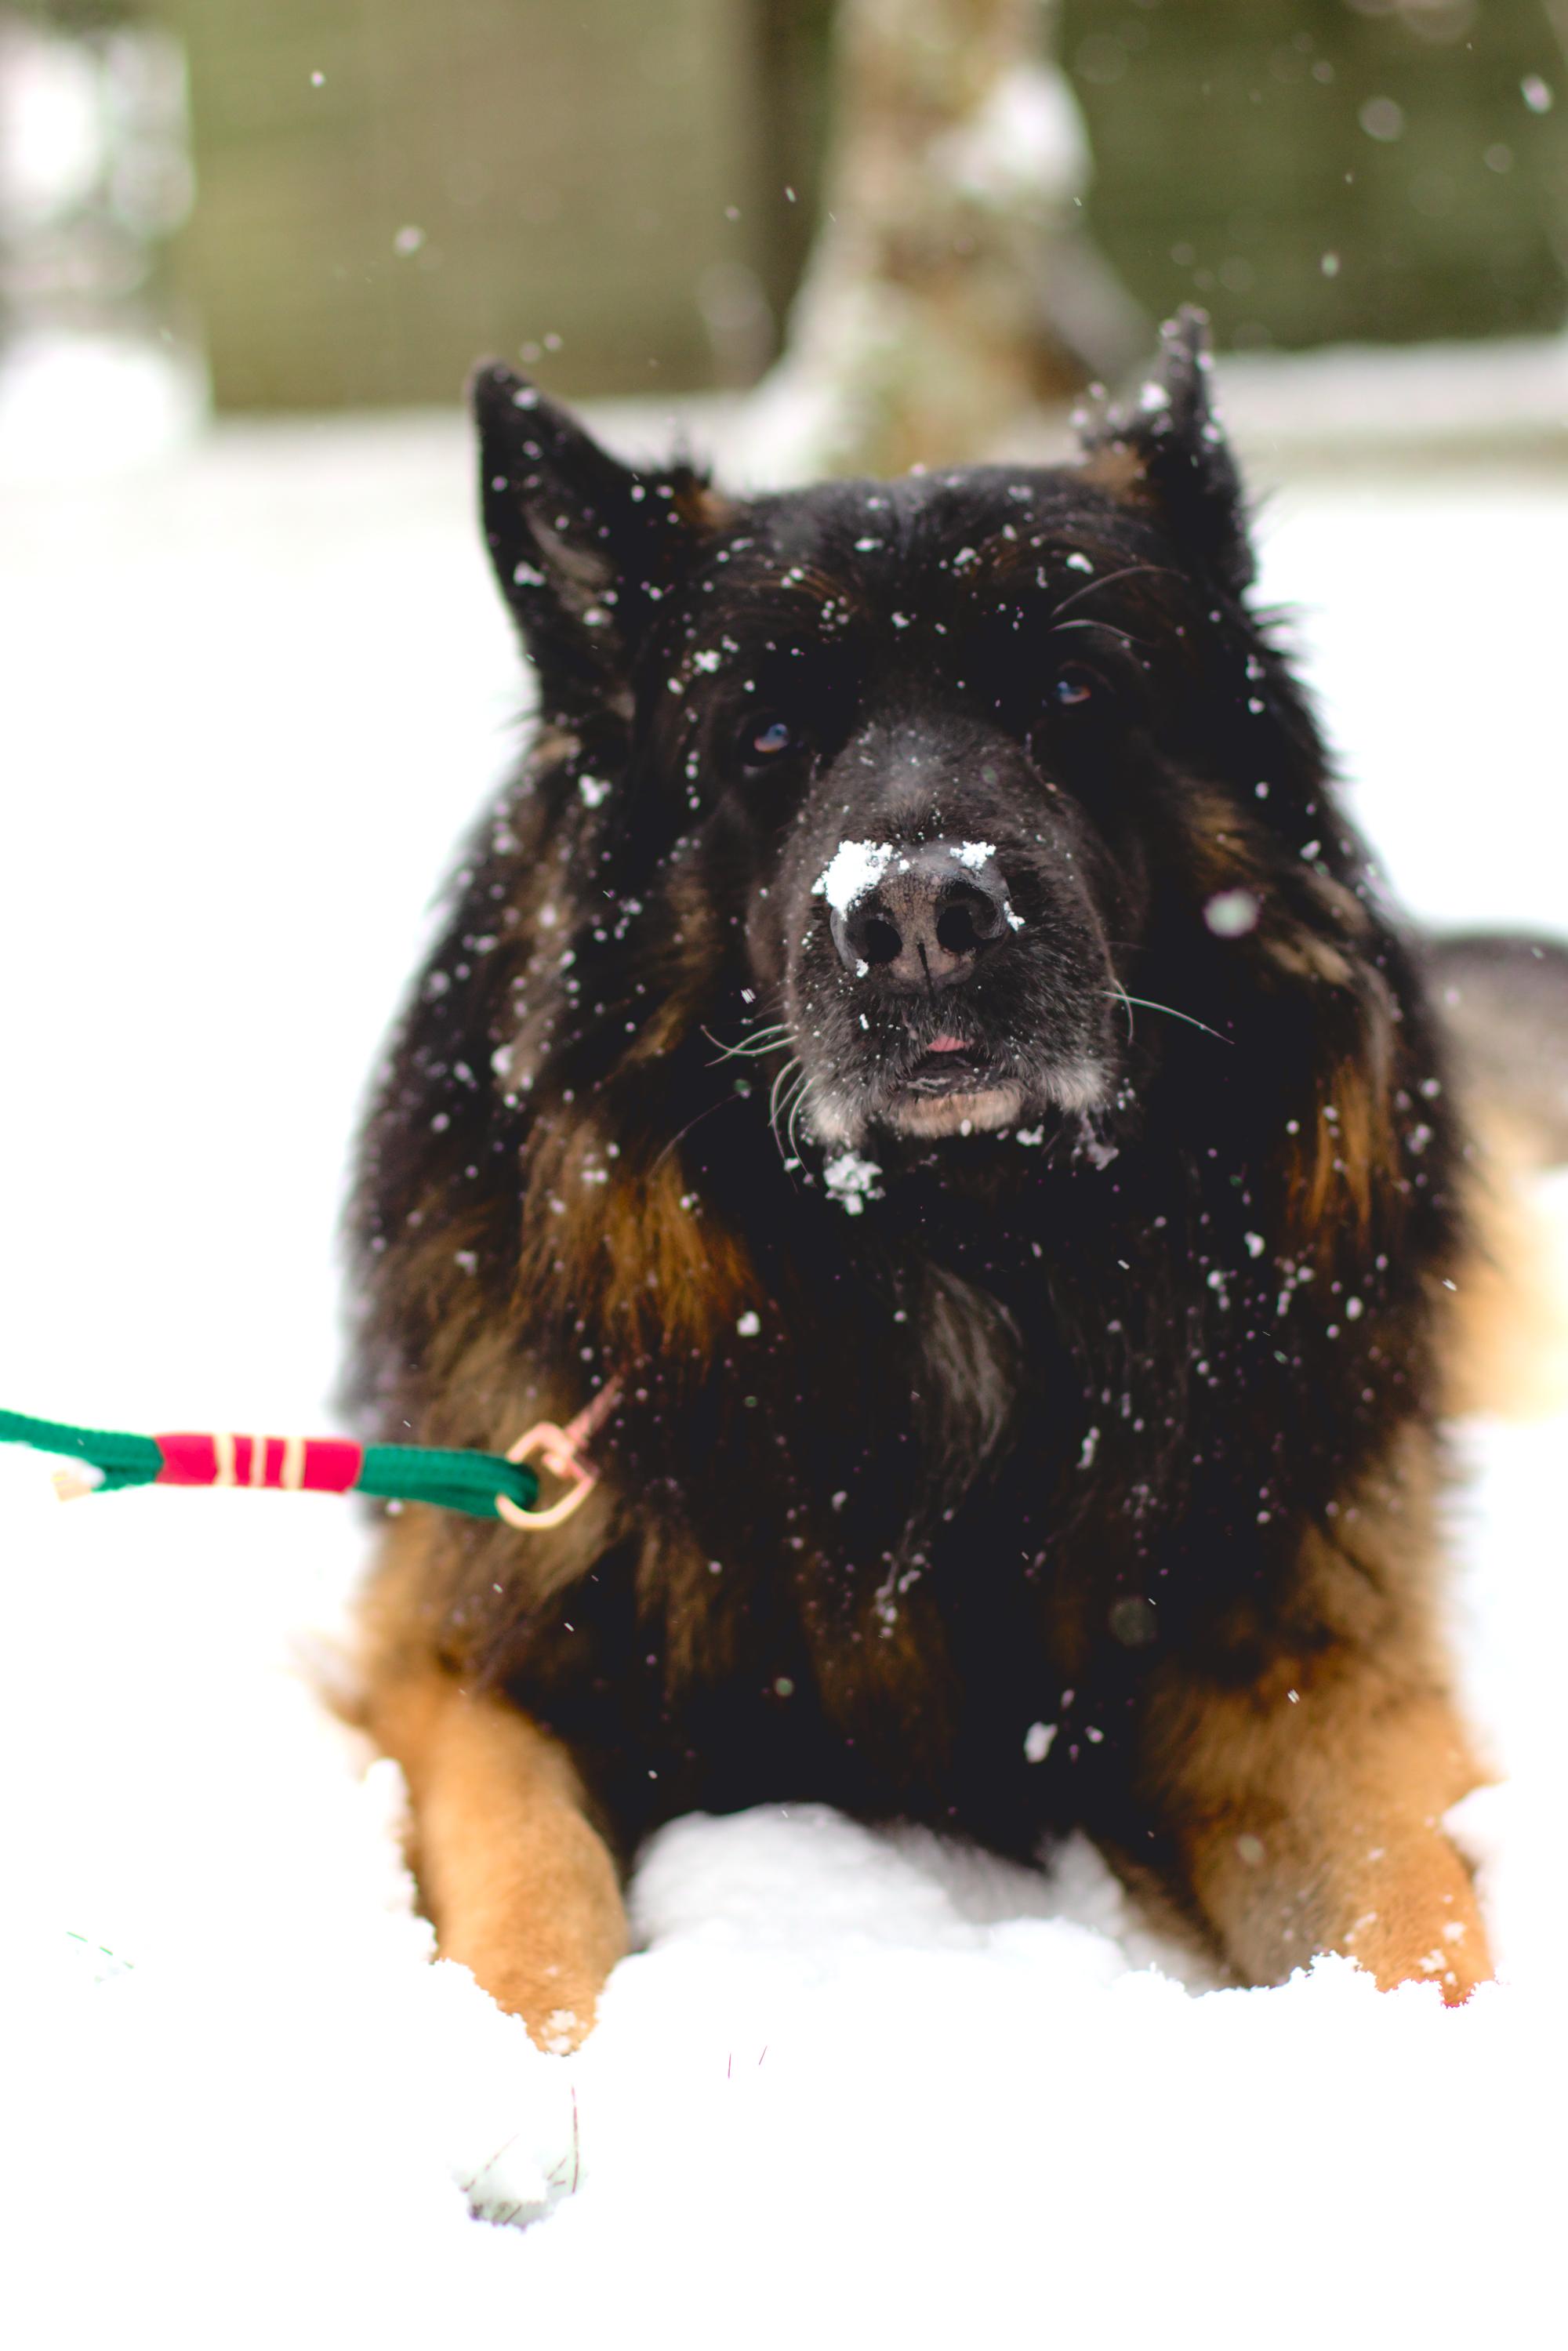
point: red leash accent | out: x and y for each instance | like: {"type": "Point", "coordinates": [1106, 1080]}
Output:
{"type": "Point", "coordinates": [310, 1464]}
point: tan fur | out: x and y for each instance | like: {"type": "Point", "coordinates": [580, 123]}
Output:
{"type": "Point", "coordinates": [1228, 849]}
{"type": "Point", "coordinates": [1507, 1343]}
{"type": "Point", "coordinates": [1117, 467]}
{"type": "Point", "coordinates": [1344, 1164]}
{"type": "Point", "coordinates": [520, 1884]}
{"type": "Point", "coordinates": [1312, 1821]}
{"type": "Point", "coordinates": [665, 1279]}
{"type": "Point", "coordinates": [705, 510]}
{"type": "Point", "coordinates": [1296, 951]}
{"type": "Point", "coordinates": [1306, 1801]}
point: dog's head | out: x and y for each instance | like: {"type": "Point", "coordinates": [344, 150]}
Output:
{"type": "Point", "coordinates": [959, 756]}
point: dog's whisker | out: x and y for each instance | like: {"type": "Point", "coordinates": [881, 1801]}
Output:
{"type": "Point", "coordinates": [1088, 621]}
{"type": "Point", "coordinates": [780, 1079]}
{"type": "Point", "coordinates": [777, 1097]}
{"type": "Point", "coordinates": [677, 1140]}
{"type": "Point", "coordinates": [787, 1087]}
{"type": "Point", "coordinates": [801, 1097]}
{"type": "Point", "coordinates": [1149, 1005]}
{"type": "Point", "coordinates": [764, 1040]}
{"type": "Point", "coordinates": [1128, 571]}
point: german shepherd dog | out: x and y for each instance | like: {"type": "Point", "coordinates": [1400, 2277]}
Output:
{"type": "Point", "coordinates": [919, 1043]}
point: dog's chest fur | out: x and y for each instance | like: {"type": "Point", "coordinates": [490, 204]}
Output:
{"type": "Point", "coordinates": [920, 1590]}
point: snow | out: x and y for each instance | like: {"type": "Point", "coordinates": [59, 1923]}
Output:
{"type": "Point", "coordinates": [852, 871]}
{"type": "Point", "coordinates": [1025, 140]}
{"type": "Point", "coordinates": [851, 2087]}
{"type": "Point", "coordinates": [853, 1180]}
{"type": "Point", "coordinates": [1231, 914]}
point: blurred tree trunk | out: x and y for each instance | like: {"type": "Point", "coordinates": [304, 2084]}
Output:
{"type": "Point", "coordinates": [951, 288]}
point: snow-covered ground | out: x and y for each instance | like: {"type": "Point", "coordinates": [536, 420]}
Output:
{"type": "Point", "coordinates": [851, 2089]}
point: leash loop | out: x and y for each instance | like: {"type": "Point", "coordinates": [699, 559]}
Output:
{"type": "Point", "coordinates": [561, 1451]}
{"type": "Point", "coordinates": [560, 1457]}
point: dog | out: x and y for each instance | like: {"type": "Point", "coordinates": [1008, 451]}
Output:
{"type": "Point", "coordinates": [918, 1052]}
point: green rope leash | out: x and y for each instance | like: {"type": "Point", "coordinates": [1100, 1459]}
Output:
{"type": "Point", "coordinates": [121, 1458]}
{"type": "Point", "coordinates": [453, 1482]}
{"type": "Point", "coordinates": [484, 1485]}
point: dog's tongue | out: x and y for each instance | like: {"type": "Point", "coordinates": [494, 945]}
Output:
{"type": "Point", "coordinates": [947, 1044]}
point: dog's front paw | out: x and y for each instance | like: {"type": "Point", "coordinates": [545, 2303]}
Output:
{"type": "Point", "coordinates": [558, 2005]}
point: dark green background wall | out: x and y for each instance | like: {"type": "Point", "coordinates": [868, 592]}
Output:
{"type": "Point", "coordinates": [608, 171]}
{"type": "Point", "coordinates": [593, 172]}
{"type": "Point", "coordinates": [1231, 156]}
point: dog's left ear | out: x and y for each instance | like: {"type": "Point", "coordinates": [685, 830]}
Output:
{"type": "Point", "coordinates": [583, 546]}
{"type": "Point", "coordinates": [1166, 448]}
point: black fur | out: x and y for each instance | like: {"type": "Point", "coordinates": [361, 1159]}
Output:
{"type": "Point", "coordinates": [1062, 1401]}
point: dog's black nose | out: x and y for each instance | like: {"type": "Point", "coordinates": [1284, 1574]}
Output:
{"type": "Point", "coordinates": [933, 912]}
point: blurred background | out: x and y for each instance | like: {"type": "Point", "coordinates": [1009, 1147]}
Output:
{"type": "Point", "coordinates": [303, 205]}
{"type": "Point", "coordinates": [257, 685]}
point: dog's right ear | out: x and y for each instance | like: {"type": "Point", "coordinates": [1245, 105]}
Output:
{"type": "Point", "coordinates": [583, 546]}
{"type": "Point", "coordinates": [1167, 450]}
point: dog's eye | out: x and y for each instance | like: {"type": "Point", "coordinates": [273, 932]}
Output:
{"type": "Point", "coordinates": [767, 739]}
{"type": "Point", "coordinates": [1073, 687]}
